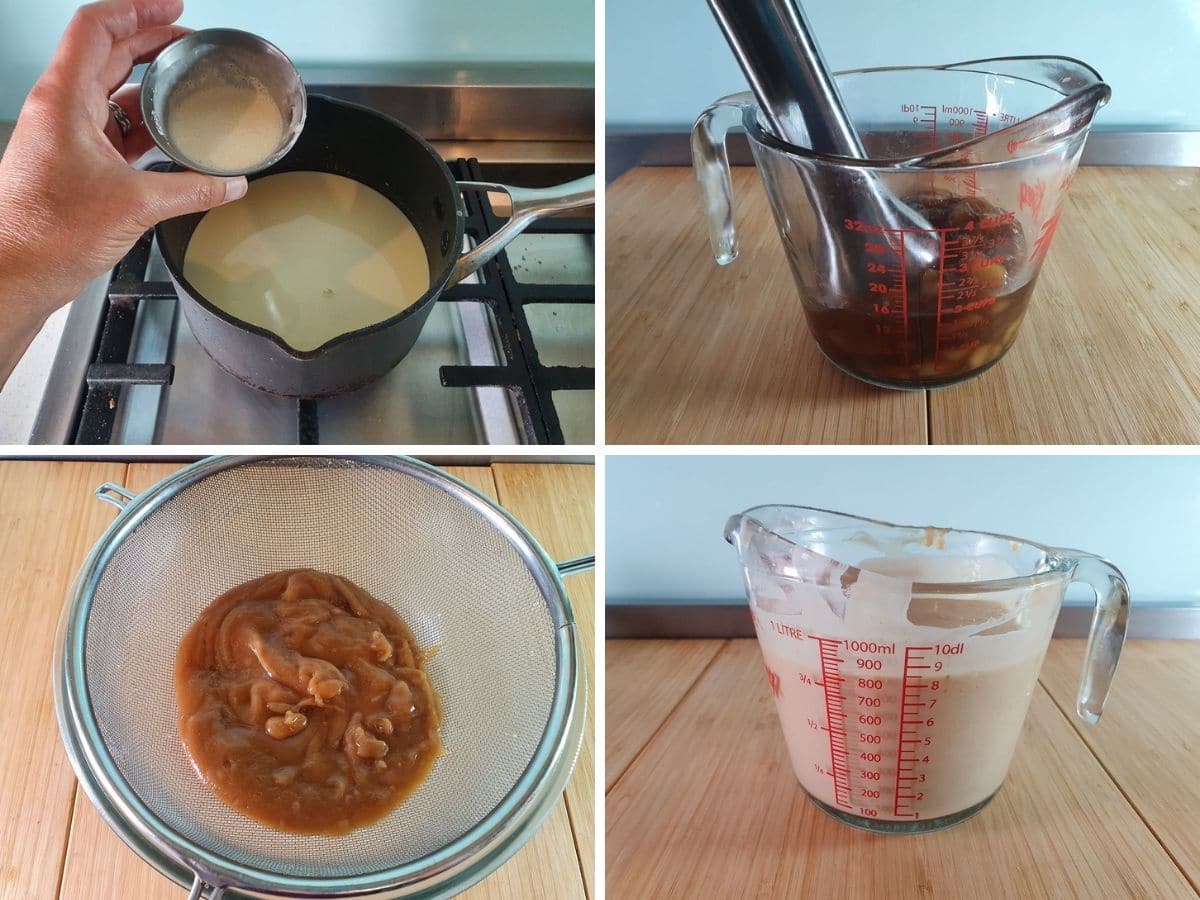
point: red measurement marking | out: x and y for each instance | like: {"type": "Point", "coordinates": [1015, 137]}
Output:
{"type": "Point", "coordinates": [886, 277]}
{"type": "Point", "coordinates": [839, 754]}
{"type": "Point", "coordinates": [941, 287]}
{"type": "Point", "coordinates": [958, 287]}
{"type": "Point", "coordinates": [1032, 196]}
{"type": "Point", "coordinates": [978, 129]}
{"type": "Point", "coordinates": [986, 222]}
{"type": "Point", "coordinates": [899, 281]}
{"type": "Point", "coordinates": [1014, 145]}
{"type": "Point", "coordinates": [926, 119]}
{"type": "Point", "coordinates": [788, 631]}
{"type": "Point", "coordinates": [1045, 236]}
{"type": "Point", "coordinates": [862, 227]}
{"type": "Point", "coordinates": [773, 680]}
{"type": "Point", "coordinates": [911, 687]}
{"type": "Point", "coordinates": [981, 123]}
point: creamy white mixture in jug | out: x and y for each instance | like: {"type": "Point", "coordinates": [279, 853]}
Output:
{"type": "Point", "coordinates": [926, 696]}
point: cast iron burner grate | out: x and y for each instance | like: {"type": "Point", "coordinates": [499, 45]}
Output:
{"type": "Point", "coordinates": [530, 383]}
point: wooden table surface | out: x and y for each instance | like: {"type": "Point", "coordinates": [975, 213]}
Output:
{"type": "Point", "coordinates": [52, 841]}
{"type": "Point", "coordinates": [1109, 352]}
{"type": "Point", "coordinates": [702, 801]}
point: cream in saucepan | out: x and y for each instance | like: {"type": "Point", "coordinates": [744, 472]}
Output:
{"type": "Point", "coordinates": [308, 256]}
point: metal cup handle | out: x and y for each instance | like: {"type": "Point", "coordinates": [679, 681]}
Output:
{"type": "Point", "coordinates": [528, 205]}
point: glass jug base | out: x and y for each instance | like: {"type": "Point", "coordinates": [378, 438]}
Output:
{"type": "Point", "coordinates": [924, 385]}
{"type": "Point", "coordinates": [880, 826]}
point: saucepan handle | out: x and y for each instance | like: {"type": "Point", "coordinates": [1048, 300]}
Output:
{"type": "Point", "coordinates": [1107, 635]}
{"type": "Point", "coordinates": [528, 205]}
{"type": "Point", "coordinates": [710, 163]}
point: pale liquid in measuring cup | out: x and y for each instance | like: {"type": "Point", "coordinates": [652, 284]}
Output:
{"type": "Point", "coordinates": [928, 727]}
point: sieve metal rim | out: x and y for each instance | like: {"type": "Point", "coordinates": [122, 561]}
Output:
{"type": "Point", "coordinates": [471, 856]}
{"type": "Point", "coordinates": [110, 780]}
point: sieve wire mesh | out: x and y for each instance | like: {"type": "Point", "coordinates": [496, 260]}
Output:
{"type": "Point", "coordinates": [451, 575]}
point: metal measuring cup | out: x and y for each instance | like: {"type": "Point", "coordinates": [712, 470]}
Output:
{"type": "Point", "coordinates": [222, 55]}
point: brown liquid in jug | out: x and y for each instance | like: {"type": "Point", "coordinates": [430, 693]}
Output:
{"type": "Point", "coordinates": [970, 333]}
{"type": "Point", "coordinates": [304, 703]}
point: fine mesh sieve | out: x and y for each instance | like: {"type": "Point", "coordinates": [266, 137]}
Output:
{"type": "Point", "coordinates": [470, 582]}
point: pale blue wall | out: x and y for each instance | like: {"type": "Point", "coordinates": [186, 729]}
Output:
{"type": "Point", "coordinates": [667, 60]}
{"type": "Point", "coordinates": [665, 514]}
{"type": "Point", "coordinates": [336, 32]}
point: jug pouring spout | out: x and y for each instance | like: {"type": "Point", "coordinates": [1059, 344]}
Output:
{"type": "Point", "coordinates": [733, 528]}
{"type": "Point", "coordinates": [1078, 92]}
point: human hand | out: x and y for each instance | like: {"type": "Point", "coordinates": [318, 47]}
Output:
{"type": "Point", "coordinates": [71, 205]}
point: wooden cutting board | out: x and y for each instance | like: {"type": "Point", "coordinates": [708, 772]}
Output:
{"type": "Point", "coordinates": [702, 800]}
{"type": "Point", "coordinates": [1109, 352]}
{"type": "Point", "coordinates": [53, 843]}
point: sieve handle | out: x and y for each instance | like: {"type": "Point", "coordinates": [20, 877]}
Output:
{"type": "Point", "coordinates": [198, 886]}
{"type": "Point", "coordinates": [577, 565]}
{"type": "Point", "coordinates": [114, 494]}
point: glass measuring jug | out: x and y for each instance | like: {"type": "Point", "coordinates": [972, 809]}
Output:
{"type": "Point", "coordinates": [902, 660]}
{"type": "Point", "coordinates": [915, 266]}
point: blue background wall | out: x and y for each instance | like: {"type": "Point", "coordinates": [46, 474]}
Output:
{"type": "Point", "coordinates": [667, 59]}
{"type": "Point", "coordinates": [317, 32]}
{"type": "Point", "coordinates": [665, 514]}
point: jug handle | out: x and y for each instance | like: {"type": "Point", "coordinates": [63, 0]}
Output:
{"type": "Point", "coordinates": [710, 162]}
{"type": "Point", "coordinates": [1107, 635]}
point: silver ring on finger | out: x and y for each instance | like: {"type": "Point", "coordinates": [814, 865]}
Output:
{"type": "Point", "coordinates": [122, 120]}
